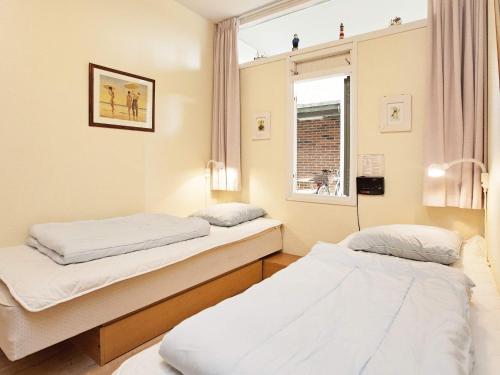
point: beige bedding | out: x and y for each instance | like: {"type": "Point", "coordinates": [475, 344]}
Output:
{"type": "Point", "coordinates": [23, 332]}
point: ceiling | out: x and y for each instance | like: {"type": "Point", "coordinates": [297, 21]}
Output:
{"type": "Point", "coordinates": [218, 10]}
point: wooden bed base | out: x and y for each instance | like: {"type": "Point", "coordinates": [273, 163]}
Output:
{"type": "Point", "coordinates": [111, 340]}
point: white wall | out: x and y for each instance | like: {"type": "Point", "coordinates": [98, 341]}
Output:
{"type": "Point", "coordinates": [493, 217]}
{"type": "Point", "coordinates": [53, 166]}
{"type": "Point", "coordinates": [387, 65]}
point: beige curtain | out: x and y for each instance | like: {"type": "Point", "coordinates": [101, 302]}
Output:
{"type": "Point", "coordinates": [457, 106]}
{"type": "Point", "coordinates": [226, 107]}
{"type": "Point", "coordinates": [497, 28]}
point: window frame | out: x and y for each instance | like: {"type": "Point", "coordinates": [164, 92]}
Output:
{"type": "Point", "coordinates": [391, 30]}
{"type": "Point", "coordinates": [291, 125]}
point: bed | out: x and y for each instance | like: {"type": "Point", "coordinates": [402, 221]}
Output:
{"type": "Point", "coordinates": [484, 347]}
{"type": "Point", "coordinates": [47, 303]}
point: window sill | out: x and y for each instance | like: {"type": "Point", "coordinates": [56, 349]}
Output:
{"type": "Point", "coordinates": [321, 199]}
{"type": "Point", "coordinates": [390, 30]}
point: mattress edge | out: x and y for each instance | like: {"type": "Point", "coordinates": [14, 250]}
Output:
{"type": "Point", "coordinates": [20, 301]}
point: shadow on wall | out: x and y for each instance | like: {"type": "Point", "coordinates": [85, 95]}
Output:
{"type": "Point", "coordinates": [462, 220]}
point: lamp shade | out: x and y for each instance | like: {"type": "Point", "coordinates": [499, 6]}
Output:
{"type": "Point", "coordinates": [436, 170]}
{"type": "Point", "coordinates": [219, 165]}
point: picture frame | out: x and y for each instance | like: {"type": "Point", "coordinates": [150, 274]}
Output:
{"type": "Point", "coordinates": [120, 100]}
{"type": "Point", "coordinates": [262, 126]}
{"type": "Point", "coordinates": [396, 114]}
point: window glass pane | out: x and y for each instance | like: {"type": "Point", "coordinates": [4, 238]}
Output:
{"type": "Point", "coordinates": [322, 109]}
{"type": "Point", "coordinates": [320, 24]}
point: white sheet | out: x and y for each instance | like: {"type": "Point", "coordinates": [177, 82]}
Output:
{"type": "Point", "coordinates": [37, 283]}
{"type": "Point", "coordinates": [83, 241]}
{"type": "Point", "coordinates": [485, 310]}
{"type": "Point", "coordinates": [334, 310]}
{"type": "Point", "coordinates": [147, 362]}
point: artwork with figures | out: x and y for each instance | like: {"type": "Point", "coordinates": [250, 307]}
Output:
{"type": "Point", "coordinates": [120, 100]}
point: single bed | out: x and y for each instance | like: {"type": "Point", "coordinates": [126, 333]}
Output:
{"type": "Point", "coordinates": [484, 312]}
{"type": "Point", "coordinates": [112, 288]}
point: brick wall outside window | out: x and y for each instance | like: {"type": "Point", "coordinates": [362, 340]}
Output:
{"type": "Point", "coordinates": [318, 147]}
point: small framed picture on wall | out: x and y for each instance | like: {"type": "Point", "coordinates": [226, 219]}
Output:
{"type": "Point", "coordinates": [262, 126]}
{"type": "Point", "coordinates": [120, 100]}
{"type": "Point", "coordinates": [395, 114]}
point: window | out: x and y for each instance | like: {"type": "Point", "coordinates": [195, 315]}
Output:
{"type": "Point", "coordinates": [320, 24]}
{"type": "Point", "coordinates": [322, 128]}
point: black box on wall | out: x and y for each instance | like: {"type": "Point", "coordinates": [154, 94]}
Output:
{"type": "Point", "coordinates": [370, 185]}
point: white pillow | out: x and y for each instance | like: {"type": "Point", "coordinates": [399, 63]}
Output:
{"type": "Point", "coordinates": [230, 214]}
{"type": "Point", "coordinates": [417, 242]}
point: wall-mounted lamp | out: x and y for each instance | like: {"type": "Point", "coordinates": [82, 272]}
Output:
{"type": "Point", "coordinates": [439, 170]}
{"type": "Point", "coordinates": [217, 165]}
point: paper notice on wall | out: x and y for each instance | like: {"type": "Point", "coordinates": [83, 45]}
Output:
{"type": "Point", "coordinates": [371, 165]}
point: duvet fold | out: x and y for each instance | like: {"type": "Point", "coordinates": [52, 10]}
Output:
{"type": "Point", "coordinates": [83, 241]}
{"type": "Point", "coordinates": [335, 311]}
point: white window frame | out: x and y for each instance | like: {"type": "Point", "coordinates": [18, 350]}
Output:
{"type": "Point", "coordinates": [291, 127]}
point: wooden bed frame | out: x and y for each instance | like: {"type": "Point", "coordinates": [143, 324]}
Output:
{"type": "Point", "coordinates": [113, 339]}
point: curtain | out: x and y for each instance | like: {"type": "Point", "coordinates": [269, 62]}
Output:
{"type": "Point", "coordinates": [226, 107]}
{"type": "Point", "coordinates": [497, 28]}
{"type": "Point", "coordinates": [457, 108]}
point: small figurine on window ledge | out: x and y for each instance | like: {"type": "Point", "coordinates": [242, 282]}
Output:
{"type": "Point", "coordinates": [295, 42]}
{"type": "Point", "coordinates": [341, 35]}
{"type": "Point", "coordinates": [259, 56]}
{"type": "Point", "coordinates": [396, 21]}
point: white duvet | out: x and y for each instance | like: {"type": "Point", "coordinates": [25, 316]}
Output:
{"type": "Point", "coordinates": [83, 241]}
{"type": "Point", "coordinates": [335, 311]}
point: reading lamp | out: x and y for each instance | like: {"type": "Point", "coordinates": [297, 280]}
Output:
{"type": "Point", "coordinates": [439, 170]}
{"type": "Point", "coordinates": [218, 165]}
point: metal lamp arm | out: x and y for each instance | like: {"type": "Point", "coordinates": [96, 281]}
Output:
{"type": "Point", "coordinates": [467, 160]}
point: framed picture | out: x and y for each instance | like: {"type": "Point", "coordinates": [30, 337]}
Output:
{"type": "Point", "coordinates": [120, 100]}
{"type": "Point", "coordinates": [262, 126]}
{"type": "Point", "coordinates": [395, 114]}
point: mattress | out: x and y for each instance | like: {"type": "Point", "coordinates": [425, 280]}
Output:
{"type": "Point", "coordinates": [485, 309]}
{"type": "Point", "coordinates": [23, 332]}
{"type": "Point", "coordinates": [37, 283]}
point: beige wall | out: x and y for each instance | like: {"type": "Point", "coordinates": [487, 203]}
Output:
{"type": "Point", "coordinates": [493, 217]}
{"type": "Point", "coordinates": [52, 165]}
{"type": "Point", "coordinates": [388, 65]}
